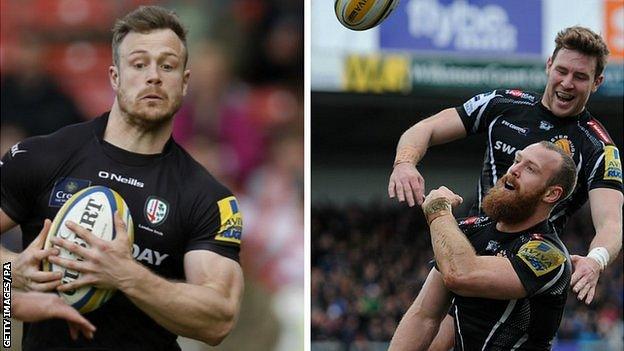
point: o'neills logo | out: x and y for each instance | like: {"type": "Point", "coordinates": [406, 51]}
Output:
{"type": "Point", "coordinates": [120, 178]}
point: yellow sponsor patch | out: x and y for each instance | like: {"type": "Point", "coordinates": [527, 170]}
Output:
{"type": "Point", "coordinates": [613, 164]}
{"type": "Point", "coordinates": [541, 256]}
{"type": "Point", "coordinates": [231, 221]}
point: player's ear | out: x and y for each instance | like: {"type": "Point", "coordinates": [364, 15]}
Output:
{"type": "Point", "coordinates": [597, 82]}
{"type": "Point", "coordinates": [113, 76]}
{"type": "Point", "coordinates": [549, 63]}
{"type": "Point", "coordinates": [185, 80]}
{"type": "Point", "coordinates": [553, 194]}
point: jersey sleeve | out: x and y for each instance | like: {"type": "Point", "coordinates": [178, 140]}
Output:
{"type": "Point", "coordinates": [477, 113]}
{"type": "Point", "coordinates": [605, 169]}
{"type": "Point", "coordinates": [21, 170]}
{"type": "Point", "coordinates": [539, 265]}
{"type": "Point", "coordinates": [218, 226]}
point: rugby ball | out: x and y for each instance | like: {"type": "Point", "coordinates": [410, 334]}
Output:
{"type": "Point", "coordinates": [363, 14]}
{"type": "Point", "coordinates": [93, 208]}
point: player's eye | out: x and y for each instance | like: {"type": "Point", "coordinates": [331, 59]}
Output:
{"type": "Point", "coordinates": [167, 67]}
{"type": "Point", "coordinates": [139, 65]}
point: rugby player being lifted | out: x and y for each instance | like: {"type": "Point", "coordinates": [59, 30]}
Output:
{"type": "Point", "coordinates": [507, 274]}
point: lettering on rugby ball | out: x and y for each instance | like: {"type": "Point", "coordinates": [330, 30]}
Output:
{"type": "Point", "coordinates": [92, 208]}
{"type": "Point", "coordinates": [363, 14]}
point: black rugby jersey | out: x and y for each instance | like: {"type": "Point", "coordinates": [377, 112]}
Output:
{"type": "Point", "coordinates": [543, 266]}
{"type": "Point", "coordinates": [514, 119]}
{"type": "Point", "coordinates": [176, 206]}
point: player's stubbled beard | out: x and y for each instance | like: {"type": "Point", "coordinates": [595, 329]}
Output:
{"type": "Point", "coordinates": [508, 206]}
{"type": "Point", "coordinates": [137, 112]}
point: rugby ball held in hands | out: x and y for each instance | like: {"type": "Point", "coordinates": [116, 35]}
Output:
{"type": "Point", "coordinates": [363, 14]}
{"type": "Point", "coordinates": [92, 208]}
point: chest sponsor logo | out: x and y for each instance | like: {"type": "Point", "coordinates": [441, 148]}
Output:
{"type": "Point", "coordinates": [231, 221]}
{"type": "Point", "coordinates": [16, 150]}
{"type": "Point", "coordinates": [120, 178]}
{"type": "Point", "coordinates": [148, 255]}
{"type": "Point", "coordinates": [501, 146]}
{"type": "Point", "coordinates": [613, 164]}
{"type": "Point", "coordinates": [64, 188]}
{"type": "Point", "coordinates": [545, 126]}
{"type": "Point", "coordinates": [520, 130]}
{"type": "Point", "coordinates": [541, 256]}
{"type": "Point", "coordinates": [564, 143]}
{"type": "Point", "coordinates": [156, 210]}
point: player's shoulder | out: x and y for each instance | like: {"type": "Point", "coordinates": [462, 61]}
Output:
{"type": "Point", "coordinates": [52, 147]}
{"type": "Point", "coordinates": [542, 252]}
{"type": "Point", "coordinates": [501, 98]}
{"type": "Point", "coordinates": [594, 131]}
{"type": "Point", "coordinates": [196, 178]}
{"type": "Point", "coordinates": [471, 225]}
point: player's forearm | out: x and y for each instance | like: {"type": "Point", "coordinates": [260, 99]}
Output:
{"type": "Point", "coordinates": [189, 310]}
{"type": "Point", "coordinates": [413, 143]}
{"type": "Point", "coordinates": [454, 254]}
{"type": "Point", "coordinates": [414, 333]}
{"type": "Point", "coordinates": [609, 236]}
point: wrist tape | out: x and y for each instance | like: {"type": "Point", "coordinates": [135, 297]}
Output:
{"type": "Point", "coordinates": [601, 255]}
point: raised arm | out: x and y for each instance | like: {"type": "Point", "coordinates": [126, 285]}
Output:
{"type": "Point", "coordinates": [462, 270]}
{"type": "Point", "coordinates": [406, 183]}
{"type": "Point", "coordinates": [606, 211]}
{"type": "Point", "coordinates": [420, 323]}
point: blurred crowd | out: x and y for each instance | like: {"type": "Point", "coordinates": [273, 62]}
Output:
{"type": "Point", "coordinates": [370, 261]}
{"type": "Point", "coordinates": [242, 118]}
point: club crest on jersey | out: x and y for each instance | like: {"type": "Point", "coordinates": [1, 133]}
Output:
{"type": "Point", "coordinates": [231, 221]}
{"type": "Point", "coordinates": [613, 164]}
{"type": "Point", "coordinates": [545, 126]}
{"type": "Point", "coordinates": [541, 256]}
{"type": "Point", "coordinates": [156, 210]}
{"type": "Point", "coordinates": [64, 188]}
{"type": "Point", "coordinates": [564, 143]}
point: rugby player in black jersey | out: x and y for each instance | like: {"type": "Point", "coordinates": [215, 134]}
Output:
{"type": "Point", "coordinates": [181, 276]}
{"type": "Point", "coordinates": [507, 274]}
{"type": "Point", "coordinates": [514, 119]}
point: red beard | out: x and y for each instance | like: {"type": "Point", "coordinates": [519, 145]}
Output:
{"type": "Point", "coordinates": [512, 206]}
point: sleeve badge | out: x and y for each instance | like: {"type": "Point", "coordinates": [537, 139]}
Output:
{"type": "Point", "coordinates": [613, 165]}
{"type": "Point", "coordinates": [231, 221]}
{"type": "Point", "coordinates": [541, 256]}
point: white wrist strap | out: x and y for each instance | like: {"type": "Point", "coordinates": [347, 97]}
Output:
{"type": "Point", "coordinates": [601, 255]}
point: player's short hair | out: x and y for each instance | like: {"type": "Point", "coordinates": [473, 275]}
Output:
{"type": "Point", "coordinates": [585, 41]}
{"type": "Point", "coordinates": [566, 175]}
{"type": "Point", "coordinates": [144, 20]}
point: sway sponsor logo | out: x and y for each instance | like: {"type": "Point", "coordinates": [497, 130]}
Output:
{"type": "Point", "coordinates": [501, 146]}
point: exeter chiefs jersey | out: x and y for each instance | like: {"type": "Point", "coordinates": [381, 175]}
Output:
{"type": "Point", "coordinates": [176, 207]}
{"type": "Point", "coordinates": [542, 263]}
{"type": "Point", "coordinates": [514, 119]}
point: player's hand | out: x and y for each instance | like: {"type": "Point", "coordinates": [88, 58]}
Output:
{"type": "Point", "coordinates": [37, 306]}
{"type": "Point", "coordinates": [406, 184]}
{"type": "Point", "coordinates": [584, 277]}
{"type": "Point", "coordinates": [25, 271]}
{"type": "Point", "coordinates": [443, 192]}
{"type": "Point", "coordinates": [106, 264]}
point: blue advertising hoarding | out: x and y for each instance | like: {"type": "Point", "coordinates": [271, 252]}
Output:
{"type": "Point", "coordinates": [465, 27]}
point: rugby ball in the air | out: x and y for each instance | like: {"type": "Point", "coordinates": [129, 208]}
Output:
{"type": "Point", "coordinates": [363, 14]}
{"type": "Point", "coordinates": [93, 208]}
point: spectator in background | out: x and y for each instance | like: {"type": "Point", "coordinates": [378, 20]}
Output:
{"type": "Point", "coordinates": [31, 99]}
